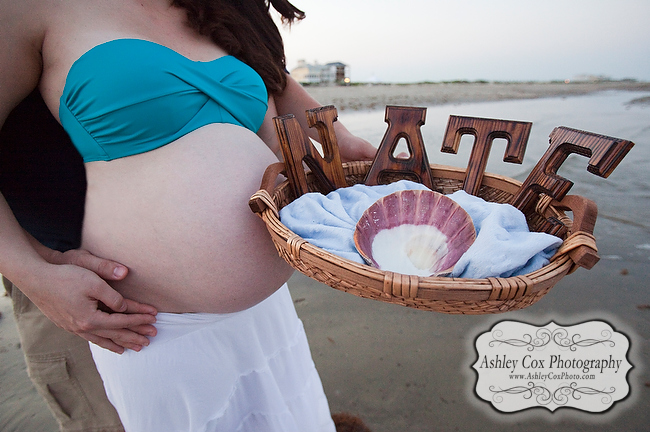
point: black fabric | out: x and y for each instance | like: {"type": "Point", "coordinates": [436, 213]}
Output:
{"type": "Point", "coordinates": [42, 175]}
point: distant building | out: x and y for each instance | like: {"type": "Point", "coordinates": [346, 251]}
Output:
{"type": "Point", "coordinates": [590, 78]}
{"type": "Point", "coordinates": [330, 73]}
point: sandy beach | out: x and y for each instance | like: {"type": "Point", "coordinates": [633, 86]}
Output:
{"type": "Point", "coordinates": [402, 369]}
{"type": "Point", "coordinates": [377, 96]}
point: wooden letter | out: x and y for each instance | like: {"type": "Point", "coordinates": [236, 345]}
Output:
{"type": "Point", "coordinates": [297, 148]}
{"type": "Point", "coordinates": [403, 122]}
{"type": "Point", "coordinates": [485, 131]}
{"type": "Point", "coordinates": [604, 153]}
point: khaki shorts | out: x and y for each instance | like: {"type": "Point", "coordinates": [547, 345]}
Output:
{"type": "Point", "coordinates": [62, 369]}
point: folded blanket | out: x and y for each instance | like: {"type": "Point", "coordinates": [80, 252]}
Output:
{"type": "Point", "coordinates": [504, 247]}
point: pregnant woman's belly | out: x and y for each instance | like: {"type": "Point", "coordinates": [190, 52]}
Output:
{"type": "Point", "coordinates": [178, 218]}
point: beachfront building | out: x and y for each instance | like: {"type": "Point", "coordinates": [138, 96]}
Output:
{"type": "Point", "coordinates": [330, 73]}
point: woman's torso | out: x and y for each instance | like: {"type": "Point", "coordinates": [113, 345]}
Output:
{"type": "Point", "coordinates": [177, 216]}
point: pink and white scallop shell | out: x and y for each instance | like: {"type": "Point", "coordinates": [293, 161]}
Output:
{"type": "Point", "coordinates": [416, 232]}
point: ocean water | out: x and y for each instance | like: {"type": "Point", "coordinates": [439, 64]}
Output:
{"type": "Point", "coordinates": [404, 369]}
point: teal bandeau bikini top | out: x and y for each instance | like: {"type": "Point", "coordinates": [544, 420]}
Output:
{"type": "Point", "coordinates": [129, 96]}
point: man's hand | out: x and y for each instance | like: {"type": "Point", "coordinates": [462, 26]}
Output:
{"type": "Point", "coordinates": [79, 300]}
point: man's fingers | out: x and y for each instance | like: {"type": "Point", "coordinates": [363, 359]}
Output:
{"type": "Point", "coordinates": [104, 343]}
{"type": "Point", "coordinates": [133, 307]}
{"type": "Point", "coordinates": [120, 334]}
{"type": "Point", "coordinates": [104, 268]}
{"type": "Point", "coordinates": [124, 338]}
{"type": "Point", "coordinates": [145, 330]}
{"type": "Point", "coordinates": [116, 303]}
{"type": "Point", "coordinates": [118, 321]}
{"type": "Point", "coordinates": [110, 298]}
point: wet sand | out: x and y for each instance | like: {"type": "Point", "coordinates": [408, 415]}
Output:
{"type": "Point", "coordinates": [403, 369]}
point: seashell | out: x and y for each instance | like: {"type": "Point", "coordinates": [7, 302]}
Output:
{"type": "Point", "coordinates": [418, 232]}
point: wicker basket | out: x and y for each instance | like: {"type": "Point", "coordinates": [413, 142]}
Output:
{"type": "Point", "coordinates": [441, 294]}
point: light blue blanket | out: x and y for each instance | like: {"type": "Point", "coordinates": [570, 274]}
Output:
{"type": "Point", "coordinates": [504, 246]}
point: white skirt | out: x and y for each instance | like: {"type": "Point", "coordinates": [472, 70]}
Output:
{"type": "Point", "coordinates": [246, 371]}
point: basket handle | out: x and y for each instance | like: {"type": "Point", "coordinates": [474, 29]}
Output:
{"type": "Point", "coordinates": [580, 243]}
{"type": "Point", "coordinates": [298, 149]}
{"type": "Point", "coordinates": [485, 131]}
{"type": "Point", "coordinates": [605, 153]}
{"type": "Point", "coordinates": [403, 123]}
{"type": "Point", "coordinates": [261, 200]}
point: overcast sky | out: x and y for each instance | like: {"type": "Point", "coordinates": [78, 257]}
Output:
{"type": "Point", "coordinates": [495, 40]}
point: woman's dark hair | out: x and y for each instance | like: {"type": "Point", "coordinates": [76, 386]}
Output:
{"type": "Point", "coordinates": [246, 30]}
